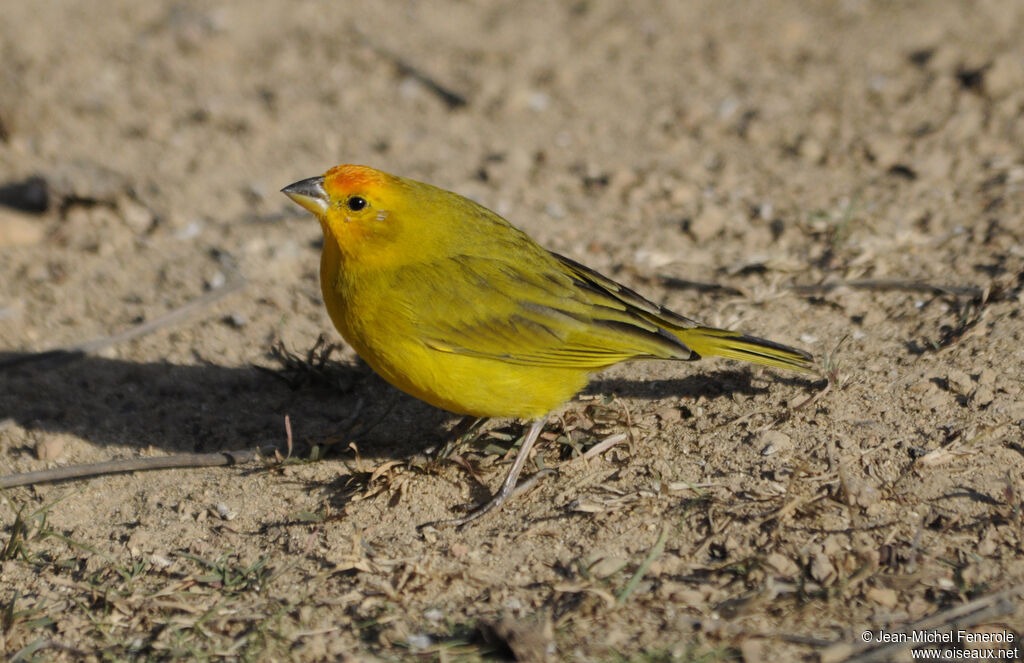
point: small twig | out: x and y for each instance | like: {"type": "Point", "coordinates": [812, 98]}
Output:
{"type": "Point", "coordinates": [599, 448]}
{"type": "Point", "coordinates": [629, 422]}
{"type": "Point", "coordinates": [235, 281]}
{"type": "Point", "coordinates": [822, 288]}
{"type": "Point", "coordinates": [889, 284]}
{"type": "Point", "coordinates": [699, 286]}
{"type": "Point", "coordinates": [134, 465]}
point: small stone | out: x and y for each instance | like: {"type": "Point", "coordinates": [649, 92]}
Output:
{"type": "Point", "coordinates": [883, 596]}
{"type": "Point", "coordinates": [983, 395]}
{"type": "Point", "coordinates": [607, 566]}
{"type": "Point", "coordinates": [782, 565]}
{"type": "Point", "coordinates": [959, 382]}
{"type": "Point", "coordinates": [191, 230]}
{"type": "Point", "coordinates": [687, 596]}
{"type": "Point", "coordinates": [988, 544]}
{"type": "Point", "coordinates": [160, 561]}
{"type": "Point", "coordinates": [887, 151]}
{"type": "Point", "coordinates": [934, 399]}
{"type": "Point", "coordinates": [861, 492]}
{"type": "Point", "coordinates": [236, 320]}
{"type": "Point", "coordinates": [710, 222]}
{"type": "Point", "coordinates": [419, 640]}
{"type": "Point", "coordinates": [685, 194]}
{"type": "Point", "coordinates": [555, 210]}
{"type": "Point", "coordinates": [775, 442]}
{"type": "Point", "coordinates": [832, 545]}
{"type": "Point", "coordinates": [921, 386]}
{"type": "Point", "coordinates": [217, 280]}
{"type": "Point", "coordinates": [753, 650]}
{"type": "Point", "coordinates": [1005, 76]}
{"type": "Point", "coordinates": [18, 229]}
{"type": "Point", "coordinates": [669, 413]}
{"type": "Point", "coordinates": [812, 150]}
{"type": "Point", "coordinates": [135, 215]}
{"type": "Point", "coordinates": [822, 569]}
{"type": "Point", "coordinates": [50, 449]}
{"type": "Point", "coordinates": [225, 513]}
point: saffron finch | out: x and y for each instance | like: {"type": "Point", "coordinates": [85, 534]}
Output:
{"type": "Point", "coordinates": [451, 303]}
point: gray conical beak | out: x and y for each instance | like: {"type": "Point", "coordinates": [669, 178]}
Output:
{"type": "Point", "coordinates": [309, 193]}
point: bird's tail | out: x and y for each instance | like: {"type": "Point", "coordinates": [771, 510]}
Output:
{"type": "Point", "coordinates": [711, 342]}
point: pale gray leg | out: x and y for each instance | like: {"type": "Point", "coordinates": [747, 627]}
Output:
{"type": "Point", "coordinates": [508, 486]}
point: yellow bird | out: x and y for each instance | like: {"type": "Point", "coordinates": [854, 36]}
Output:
{"type": "Point", "coordinates": [451, 303]}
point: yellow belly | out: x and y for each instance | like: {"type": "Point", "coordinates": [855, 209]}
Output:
{"type": "Point", "coordinates": [459, 383]}
{"type": "Point", "coordinates": [472, 385]}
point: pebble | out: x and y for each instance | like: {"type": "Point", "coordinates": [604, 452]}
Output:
{"type": "Point", "coordinates": [1005, 76]}
{"type": "Point", "coordinates": [17, 229]}
{"type": "Point", "coordinates": [160, 561]}
{"type": "Point", "coordinates": [669, 413]}
{"type": "Point", "coordinates": [686, 596]}
{"type": "Point", "coordinates": [190, 231]}
{"type": "Point", "coordinates": [217, 280]}
{"type": "Point", "coordinates": [709, 223]}
{"type": "Point", "coordinates": [753, 649]}
{"type": "Point", "coordinates": [882, 596]}
{"type": "Point", "coordinates": [822, 569]}
{"type": "Point", "coordinates": [50, 448]}
{"type": "Point", "coordinates": [861, 492]}
{"type": "Point", "coordinates": [135, 215]}
{"type": "Point", "coordinates": [782, 565]}
{"type": "Point", "coordinates": [236, 320]}
{"type": "Point", "coordinates": [774, 442]}
{"type": "Point", "coordinates": [887, 151]}
{"type": "Point", "coordinates": [983, 395]}
{"type": "Point", "coordinates": [607, 566]}
{"type": "Point", "coordinates": [419, 640]}
{"type": "Point", "coordinates": [959, 382]}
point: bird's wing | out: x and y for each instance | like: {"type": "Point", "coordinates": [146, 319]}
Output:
{"type": "Point", "coordinates": [540, 310]}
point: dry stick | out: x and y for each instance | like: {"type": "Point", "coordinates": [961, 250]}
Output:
{"type": "Point", "coordinates": [172, 317]}
{"type": "Point", "coordinates": [134, 465]}
{"type": "Point", "coordinates": [890, 284]}
{"type": "Point", "coordinates": [821, 288]}
{"type": "Point", "coordinates": [963, 616]}
{"type": "Point", "coordinates": [450, 98]}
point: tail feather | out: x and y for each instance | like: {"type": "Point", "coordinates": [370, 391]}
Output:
{"type": "Point", "coordinates": [711, 342]}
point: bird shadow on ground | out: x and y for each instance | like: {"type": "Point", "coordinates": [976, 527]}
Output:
{"type": "Point", "coordinates": [205, 407]}
{"type": "Point", "coordinates": [708, 384]}
{"type": "Point", "coordinates": [202, 408]}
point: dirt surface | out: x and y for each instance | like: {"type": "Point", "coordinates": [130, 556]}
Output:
{"type": "Point", "coordinates": [847, 177]}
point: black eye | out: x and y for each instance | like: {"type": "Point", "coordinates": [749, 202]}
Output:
{"type": "Point", "coordinates": [356, 203]}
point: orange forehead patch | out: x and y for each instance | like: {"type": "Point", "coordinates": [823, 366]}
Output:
{"type": "Point", "coordinates": [351, 179]}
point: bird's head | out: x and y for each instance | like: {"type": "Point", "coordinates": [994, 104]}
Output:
{"type": "Point", "coordinates": [365, 211]}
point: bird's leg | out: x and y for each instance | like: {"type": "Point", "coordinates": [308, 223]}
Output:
{"type": "Point", "coordinates": [508, 486]}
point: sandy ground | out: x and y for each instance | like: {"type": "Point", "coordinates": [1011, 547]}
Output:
{"type": "Point", "coordinates": [848, 175]}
